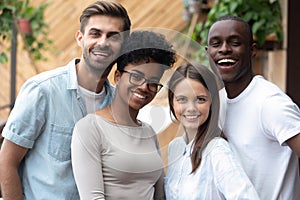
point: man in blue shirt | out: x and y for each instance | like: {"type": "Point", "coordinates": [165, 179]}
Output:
{"type": "Point", "coordinates": [35, 159]}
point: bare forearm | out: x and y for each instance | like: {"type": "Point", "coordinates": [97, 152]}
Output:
{"type": "Point", "coordinates": [294, 144]}
{"type": "Point", "coordinates": [11, 156]}
{"type": "Point", "coordinates": [11, 187]}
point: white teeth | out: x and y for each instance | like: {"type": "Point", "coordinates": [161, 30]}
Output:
{"type": "Point", "coordinates": [191, 116]}
{"type": "Point", "coordinates": [139, 96]}
{"type": "Point", "coordinates": [227, 60]}
{"type": "Point", "coordinates": [100, 53]}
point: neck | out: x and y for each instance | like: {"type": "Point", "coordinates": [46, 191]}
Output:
{"type": "Point", "coordinates": [235, 88]}
{"type": "Point", "coordinates": [190, 134]}
{"type": "Point", "coordinates": [121, 114]}
{"type": "Point", "coordinates": [91, 81]}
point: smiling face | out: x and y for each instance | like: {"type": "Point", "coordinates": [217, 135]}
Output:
{"type": "Point", "coordinates": [133, 96]}
{"type": "Point", "coordinates": [230, 50]}
{"type": "Point", "coordinates": [101, 41]}
{"type": "Point", "coordinates": [191, 103]}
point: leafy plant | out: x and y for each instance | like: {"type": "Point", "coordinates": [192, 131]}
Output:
{"type": "Point", "coordinates": [264, 16]}
{"type": "Point", "coordinates": [34, 43]}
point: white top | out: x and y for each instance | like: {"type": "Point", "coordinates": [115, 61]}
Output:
{"type": "Point", "coordinates": [92, 99]}
{"type": "Point", "coordinates": [258, 123]}
{"type": "Point", "coordinates": [219, 176]}
{"type": "Point", "coordinates": [223, 105]}
{"type": "Point", "coordinates": [111, 161]}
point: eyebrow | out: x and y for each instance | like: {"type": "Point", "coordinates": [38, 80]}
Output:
{"type": "Point", "coordinates": [234, 36]}
{"type": "Point", "coordinates": [151, 78]}
{"type": "Point", "coordinates": [109, 33]}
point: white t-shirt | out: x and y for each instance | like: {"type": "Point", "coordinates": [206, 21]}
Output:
{"type": "Point", "coordinates": [222, 113]}
{"type": "Point", "coordinates": [258, 122]}
{"type": "Point", "coordinates": [92, 99]}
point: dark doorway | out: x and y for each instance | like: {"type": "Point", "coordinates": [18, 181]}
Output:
{"type": "Point", "coordinates": [293, 44]}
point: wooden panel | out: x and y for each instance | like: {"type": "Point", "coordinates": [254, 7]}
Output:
{"type": "Point", "coordinates": [164, 138]}
{"type": "Point", "coordinates": [62, 16]}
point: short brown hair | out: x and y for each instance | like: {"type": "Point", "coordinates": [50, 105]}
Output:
{"type": "Point", "coordinates": [107, 8]}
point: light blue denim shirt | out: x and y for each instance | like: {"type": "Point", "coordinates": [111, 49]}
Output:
{"type": "Point", "coordinates": [219, 176]}
{"type": "Point", "coordinates": [45, 112]}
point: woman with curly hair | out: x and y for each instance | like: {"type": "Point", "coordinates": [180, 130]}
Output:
{"type": "Point", "coordinates": [114, 155]}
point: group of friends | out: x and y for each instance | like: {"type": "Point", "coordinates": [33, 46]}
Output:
{"type": "Point", "coordinates": [73, 135]}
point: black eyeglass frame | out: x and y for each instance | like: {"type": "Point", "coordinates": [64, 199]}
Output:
{"type": "Point", "coordinates": [158, 86]}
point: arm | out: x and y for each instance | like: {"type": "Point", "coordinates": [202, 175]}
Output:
{"type": "Point", "coordinates": [230, 178]}
{"type": "Point", "coordinates": [22, 128]}
{"type": "Point", "coordinates": [159, 193]}
{"type": "Point", "coordinates": [294, 144]}
{"type": "Point", "coordinates": [283, 123]}
{"type": "Point", "coordinates": [86, 161]}
{"type": "Point", "coordinates": [11, 156]}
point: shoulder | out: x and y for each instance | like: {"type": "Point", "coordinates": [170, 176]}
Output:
{"type": "Point", "coordinates": [176, 149]}
{"type": "Point", "coordinates": [92, 122]}
{"type": "Point", "coordinates": [89, 128]}
{"type": "Point", "coordinates": [178, 141]}
{"type": "Point", "coordinates": [221, 156]}
{"type": "Point", "coordinates": [176, 145]}
{"type": "Point", "coordinates": [217, 146]}
{"type": "Point", "coordinates": [267, 88]}
{"type": "Point", "coordinates": [89, 133]}
{"type": "Point", "coordinates": [277, 109]}
{"type": "Point", "coordinates": [60, 74]}
{"type": "Point", "coordinates": [273, 100]}
{"type": "Point", "coordinates": [45, 82]}
{"type": "Point", "coordinates": [86, 121]}
{"type": "Point", "coordinates": [217, 142]}
{"type": "Point", "coordinates": [48, 75]}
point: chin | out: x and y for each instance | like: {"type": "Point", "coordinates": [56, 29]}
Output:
{"type": "Point", "coordinates": [191, 126]}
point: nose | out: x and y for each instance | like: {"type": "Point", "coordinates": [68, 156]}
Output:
{"type": "Point", "coordinates": [225, 47]}
{"type": "Point", "coordinates": [103, 41]}
{"type": "Point", "coordinates": [144, 86]}
{"type": "Point", "coordinates": [191, 106]}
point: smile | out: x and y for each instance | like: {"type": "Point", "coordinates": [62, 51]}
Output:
{"type": "Point", "coordinates": [191, 117]}
{"type": "Point", "coordinates": [98, 53]}
{"type": "Point", "coordinates": [226, 62]}
{"type": "Point", "coordinates": [139, 96]}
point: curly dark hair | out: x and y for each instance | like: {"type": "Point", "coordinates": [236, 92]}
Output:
{"type": "Point", "coordinates": [143, 45]}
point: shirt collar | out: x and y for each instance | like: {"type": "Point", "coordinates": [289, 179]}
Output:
{"type": "Point", "coordinates": [72, 74]}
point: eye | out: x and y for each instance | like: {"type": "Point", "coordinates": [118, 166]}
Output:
{"type": "Point", "coordinates": [94, 33]}
{"type": "Point", "coordinates": [235, 43]}
{"type": "Point", "coordinates": [154, 87]}
{"type": "Point", "coordinates": [201, 99]}
{"type": "Point", "coordinates": [214, 43]}
{"type": "Point", "coordinates": [137, 77]}
{"type": "Point", "coordinates": [153, 81]}
{"type": "Point", "coordinates": [181, 99]}
{"type": "Point", "coordinates": [115, 37]}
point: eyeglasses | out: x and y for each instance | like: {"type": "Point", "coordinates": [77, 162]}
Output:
{"type": "Point", "coordinates": [138, 80]}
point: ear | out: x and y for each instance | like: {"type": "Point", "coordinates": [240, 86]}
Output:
{"type": "Point", "coordinates": [253, 50]}
{"type": "Point", "coordinates": [206, 48]}
{"type": "Point", "coordinates": [78, 37]}
{"type": "Point", "coordinates": [117, 76]}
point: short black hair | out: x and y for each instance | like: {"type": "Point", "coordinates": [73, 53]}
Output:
{"type": "Point", "coordinates": [143, 45]}
{"type": "Point", "coordinates": [239, 19]}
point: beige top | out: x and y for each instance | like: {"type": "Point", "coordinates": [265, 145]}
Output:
{"type": "Point", "coordinates": [111, 161]}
